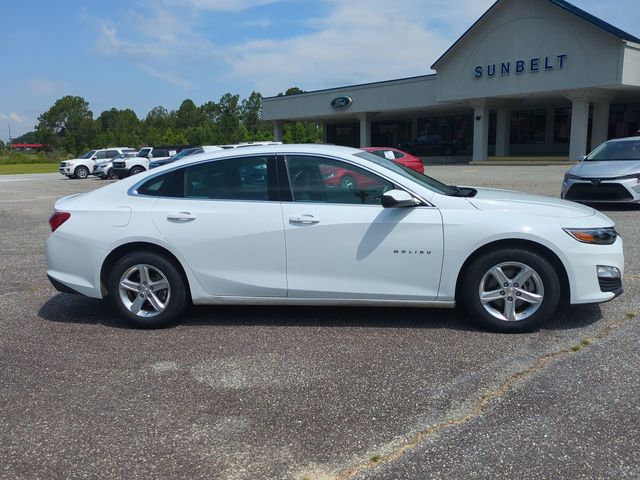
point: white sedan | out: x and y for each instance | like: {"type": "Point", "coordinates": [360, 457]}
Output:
{"type": "Point", "coordinates": [269, 225]}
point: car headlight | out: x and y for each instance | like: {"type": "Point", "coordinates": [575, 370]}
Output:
{"type": "Point", "coordinates": [570, 176]}
{"type": "Point", "coordinates": [596, 236]}
{"type": "Point", "coordinates": [628, 177]}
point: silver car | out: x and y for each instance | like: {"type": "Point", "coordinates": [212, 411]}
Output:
{"type": "Point", "coordinates": [611, 173]}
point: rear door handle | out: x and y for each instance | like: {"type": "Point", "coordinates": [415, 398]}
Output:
{"type": "Point", "coordinates": [182, 217]}
{"type": "Point", "coordinates": [305, 219]}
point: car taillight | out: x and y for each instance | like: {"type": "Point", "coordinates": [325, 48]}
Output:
{"type": "Point", "coordinates": [57, 219]}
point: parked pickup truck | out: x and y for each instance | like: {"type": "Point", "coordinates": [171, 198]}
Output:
{"type": "Point", "coordinates": [122, 168]}
{"type": "Point", "coordinates": [83, 166]}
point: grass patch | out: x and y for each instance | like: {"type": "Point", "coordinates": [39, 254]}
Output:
{"type": "Point", "coordinates": [375, 458]}
{"type": "Point", "coordinates": [576, 348]}
{"type": "Point", "coordinates": [585, 342]}
{"type": "Point", "coordinates": [630, 315]}
{"type": "Point", "coordinates": [29, 168]}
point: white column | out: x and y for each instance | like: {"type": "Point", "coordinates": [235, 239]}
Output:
{"type": "Point", "coordinates": [277, 130]}
{"type": "Point", "coordinates": [600, 130]}
{"type": "Point", "coordinates": [480, 133]}
{"type": "Point", "coordinates": [365, 130]}
{"type": "Point", "coordinates": [503, 132]}
{"type": "Point", "coordinates": [579, 129]}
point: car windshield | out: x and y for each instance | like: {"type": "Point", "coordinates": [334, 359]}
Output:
{"type": "Point", "coordinates": [89, 154]}
{"type": "Point", "coordinates": [185, 153]}
{"type": "Point", "coordinates": [144, 152]}
{"type": "Point", "coordinates": [419, 178]}
{"type": "Point", "coordinates": [617, 150]}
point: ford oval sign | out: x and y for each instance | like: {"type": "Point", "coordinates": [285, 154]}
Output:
{"type": "Point", "coordinates": [341, 102]}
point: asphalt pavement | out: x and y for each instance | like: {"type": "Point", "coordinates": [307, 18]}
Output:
{"type": "Point", "coordinates": [308, 393]}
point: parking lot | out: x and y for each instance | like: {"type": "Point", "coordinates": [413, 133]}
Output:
{"type": "Point", "coordinates": [309, 393]}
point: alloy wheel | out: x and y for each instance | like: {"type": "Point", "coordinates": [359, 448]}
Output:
{"type": "Point", "coordinates": [511, 291]}
{"type": "Point", "coordinates": [144, 290]}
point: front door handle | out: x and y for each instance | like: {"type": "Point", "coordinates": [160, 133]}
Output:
{"type": "Point", "coordinates": [305, 219]}
{"type": "Point", "coordinates": [181, 217]}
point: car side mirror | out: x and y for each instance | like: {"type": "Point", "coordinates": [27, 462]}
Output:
{"type": "Point", "coordinates": [398, 199]}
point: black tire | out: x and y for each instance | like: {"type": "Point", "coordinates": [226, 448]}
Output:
{"type": "Point", "coordinates": [136, 170]}
{"type": "Point", "coordinates": [544, 282]}
{"type": "Point", "coordinates": [111, 175]}
{"type": "Point", "coordinates": [175, 300]}
{"type": "Point", "coordinates": [348, 182]}
{"type": "Point", "coordinates": [81, 172]}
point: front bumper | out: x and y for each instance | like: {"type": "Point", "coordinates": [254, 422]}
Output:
{"type": "Point", "coordinates": [601, 190]}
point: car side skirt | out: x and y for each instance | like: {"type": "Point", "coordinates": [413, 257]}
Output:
{"type": "Point", "coordinates": [322, 302]}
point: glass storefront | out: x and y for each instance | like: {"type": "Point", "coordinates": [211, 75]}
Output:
{"type": "Point", "coordinates": [345, 134]}
{"type": "Point", "coordinates": [454, 133]}
{"type": "Point", "coordinates": [528, 127]}
{"type": "Point", "coordinates": [562, 125]}
{"type": "Point", "coordinates": [390, 133]}
{"type": "Point", "coordinates": [624, 120]}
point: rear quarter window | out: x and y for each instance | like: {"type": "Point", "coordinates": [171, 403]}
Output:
{"type": "Point", "coordinates": [170, 184]}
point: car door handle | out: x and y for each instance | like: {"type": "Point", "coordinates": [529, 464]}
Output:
{"type": "Point", "coordinates": [304, 219]}
{"type": "Point", "coordinates": [180, 217]}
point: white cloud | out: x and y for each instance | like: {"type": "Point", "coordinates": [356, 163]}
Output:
{"type": "Point", "coordinates": [44, 86]}
{"type": "Point", "coordinates": [357, 41]}
{"type": "Point", "coordinates": [14, 118]}
{"type": "Point", "coordinates": [222, 5]}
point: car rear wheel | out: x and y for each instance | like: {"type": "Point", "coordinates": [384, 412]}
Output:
{"type": "Point", "coordinates": [136, 170]}
{"type": "Point", "coordinates": [511, 290]}
{"type": "Point", "coordinates": [111, 175]}
{"type": "Point", "coordinates": [147, 290]}
{"type": "Point", "coordinates": [81, 172]}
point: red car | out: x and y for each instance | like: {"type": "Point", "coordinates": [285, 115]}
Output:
{"type": "Point", "coordinates": [398, 156]}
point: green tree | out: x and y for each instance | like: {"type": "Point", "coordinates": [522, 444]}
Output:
{"type": "Point", "coordinates": [188, 115]}
{"type": "Point", "coordinates": [158, 118]}
{"type": "Point", "coordinates": [228, 120]}
{"type": "Point", "coordinates": [68, 124]}
{"type": "Point", "coordinates": [1, 145]}
{"type": "Point", "coordinates": [118, 127]}
{"type": "Point", "coordinates": [251, 115]}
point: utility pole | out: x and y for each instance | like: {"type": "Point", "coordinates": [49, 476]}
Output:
{"type": "Point", "coordinates": [9, 124]}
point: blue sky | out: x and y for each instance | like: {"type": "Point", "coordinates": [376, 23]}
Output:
{"type": "Point", "coordinates": [142, 53]}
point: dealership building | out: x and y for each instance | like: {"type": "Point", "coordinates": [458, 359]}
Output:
{"type": "Point", "coordinates": [530, 77]}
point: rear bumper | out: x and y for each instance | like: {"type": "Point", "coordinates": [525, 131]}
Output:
{"type": "Point", "coordinates": [74, 266]}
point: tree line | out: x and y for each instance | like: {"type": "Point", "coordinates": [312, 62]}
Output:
{"type": "Point", "coordinates": [69, 125]}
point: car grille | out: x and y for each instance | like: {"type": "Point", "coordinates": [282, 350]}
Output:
{"type": "Point", "coordinates": [118, 164]}
{"type": "Point", "coordinates": [600, 192]}
{"type": "Point", "coordinates": [610, 284]}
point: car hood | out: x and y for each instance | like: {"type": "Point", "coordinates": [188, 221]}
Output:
{"type": "Point", "coordinates": [492, 200]}
{"type": "Point", "coordinates": [609, 168]}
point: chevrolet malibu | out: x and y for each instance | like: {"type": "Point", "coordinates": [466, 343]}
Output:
{"type": "Point", "coordinates": [197, 231]}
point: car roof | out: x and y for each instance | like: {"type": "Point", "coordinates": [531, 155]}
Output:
{"type": "Point", "coordinates": [626, 139]}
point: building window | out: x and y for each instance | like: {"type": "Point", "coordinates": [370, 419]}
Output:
{"type": "Point", "coordinates": [624, 120]}
{"type": "Point", "coordinates": [562, 125]}
{"type": "Point", "coordinates": [390, 133]}
{"type": "Point", "coordinates": [454, 134]}
{"type": "Point", "coordinates": [528, 127]}
{"type": "Point", "coordinates": [345, 134]}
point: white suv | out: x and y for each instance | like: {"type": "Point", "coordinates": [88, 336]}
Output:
{"type": "Point", "coordinates": [82, 167]}
{"type": "Point", "coordinates": [124, 167]}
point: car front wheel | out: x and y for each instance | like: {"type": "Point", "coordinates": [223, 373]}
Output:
{"type": "Point", "coordinates": [147, 290]}
{"type": "Point", "coordinates": [81, 172]}
{"type": "Point", "coordinates": [136, 170]}
{"type": "Point", "coordinates": [511, 290]}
